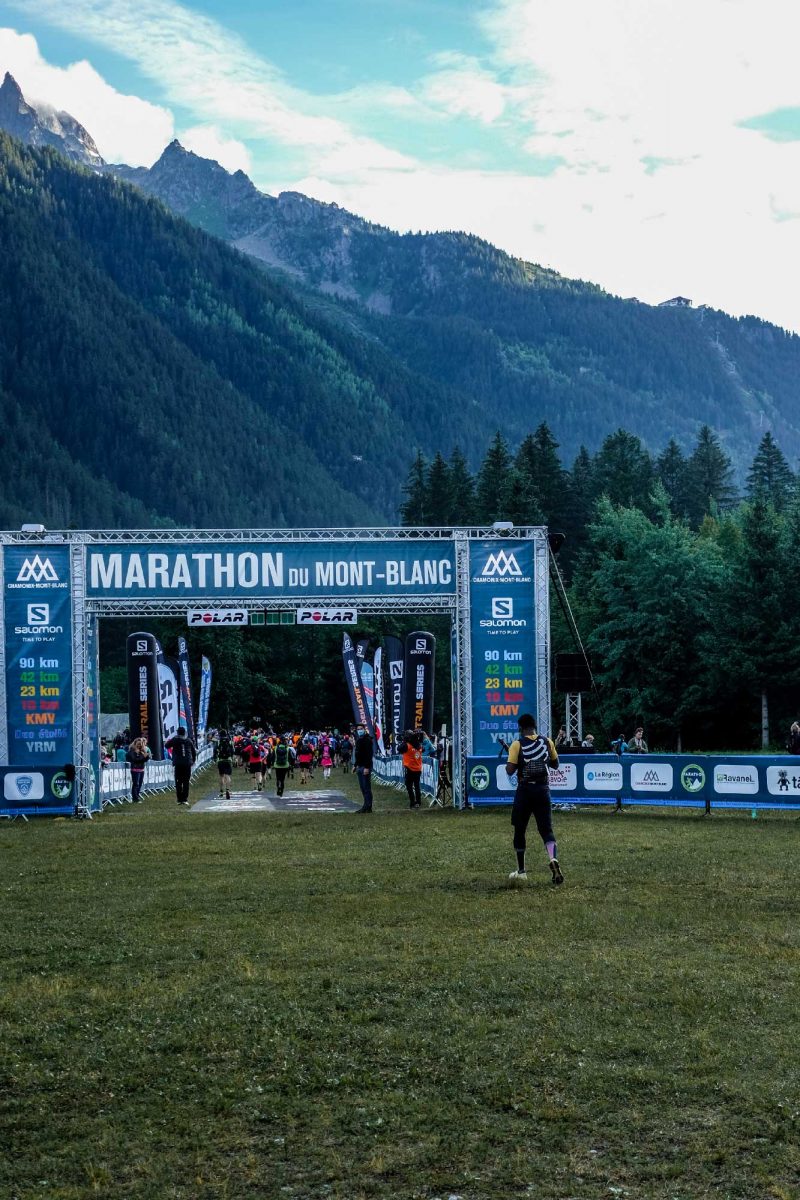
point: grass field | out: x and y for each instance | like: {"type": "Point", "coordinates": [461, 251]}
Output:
{"type": "Point", "coordinates": [317, 1006]}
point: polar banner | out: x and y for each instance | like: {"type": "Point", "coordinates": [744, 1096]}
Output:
{"type": "Point", "coordinates": [144, 701]}
{"type": "Point", "coordinates": [37, 617]}
{"type": "Point", "coordinates": [286, 570]}
{"type": "Point", "coordinates": [217, 616]}
{"type": "Point", "coordinates": [420, 661]}
{"type": "Point", "coordinates": [503, 640]}
{"type": "Point", "coordinates": [395, 668]}
{"type": "Point", "coordinates": [326, 616]}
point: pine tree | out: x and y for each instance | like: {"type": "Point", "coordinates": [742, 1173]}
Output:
{"type": "Point", "coordinates": [439, 493]}
{"type": "Point", "coordinates": [770, 476]}
{"type": "Point", "coordinates": [491, 489]}
{"type": "Point", "coordinates": [462, 490]}
{"type": "Point", "coordinates": [414, 509]}
{"type": "Point", "coordinates": [671, 470]}
{"type": "Point", "coordinates": [518, 500]}
{"type": "Point", "coordinates": [538, 456]}
{"type": "Point", "coordinates": [623, 471]}
{"type": "Point", "coordinates": [709, 477]}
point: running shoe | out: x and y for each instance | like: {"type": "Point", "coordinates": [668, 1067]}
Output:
{"type": "Point", "coordinates": [515, 875]}
{"type": "Point", "coordinates": [555, 871]}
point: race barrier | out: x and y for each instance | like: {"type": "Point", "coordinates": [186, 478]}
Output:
{"type": "Point", "coordinates": [49, 791]}
{"type": "Point", "coordinates": [704, 781]}
{"type": "Point", "coordinates": [389, 771]}
{"type": "Point", "coordinates": [115, 779]}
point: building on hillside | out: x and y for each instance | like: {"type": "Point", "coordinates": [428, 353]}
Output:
{"type": "Point", "coordinates": [676, 302]}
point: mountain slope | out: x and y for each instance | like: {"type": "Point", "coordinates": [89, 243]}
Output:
{"type": "Point", "coordinates": [523, 343]}
{"type": "Point", "coordinates": [172, 368]}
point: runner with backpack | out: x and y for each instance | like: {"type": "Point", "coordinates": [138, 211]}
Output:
{"type": "Point", "coordinates": [282, 763]}
{"type": "Point", "coordinates": [225, 762]}
{"type": "Point", "coordinates": [529, 758]}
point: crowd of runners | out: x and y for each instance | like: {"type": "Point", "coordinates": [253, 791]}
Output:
{"type": "Point", "coordinates": [295, 755]}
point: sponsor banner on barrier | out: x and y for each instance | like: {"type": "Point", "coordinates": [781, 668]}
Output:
{"type": "Point", "coordinates": [733, 779]}
{"type": "Point", "coordinates": [37, 613]}
{"type": "Point", "coordinates": [278, 569]}
{"type": "Point", "coordinates": [46, 790]}
{"type": "Point", "coordinates": [651, 777]}
{"type": "Point", "coordinates": [217, 616]}
{"type": "Point", "coordinates": [503, 640]}
{"type": "Point", "coordinates": [326, 616]}
{"type": "Point", "coordinates": [602, 777]}
{"type": "Point", "coordinates": [389, 770]}
{"type": "Point", "coordinates": [576, 779]}
{"type": "Point", "coordinates": [784, 781]}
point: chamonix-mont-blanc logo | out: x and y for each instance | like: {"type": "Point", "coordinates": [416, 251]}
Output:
{"type": "Point", "coordinates": [37, 571]}
{"type": "Point", "coordinates": [501, 564]}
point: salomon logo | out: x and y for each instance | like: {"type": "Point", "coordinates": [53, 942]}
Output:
{"type": "Point", "coordinates": [501, 564]}
{"type": "Point", "coordinates": [502, 606]}
{"type": "Point", "coordinates": [37, 571]}
{"type": "Point", "coordinates": [38, 614]}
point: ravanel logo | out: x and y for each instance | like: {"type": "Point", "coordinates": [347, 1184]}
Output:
{"type": "Point", "coordinates": [37, 571]}
{"type": "Point", "coordinates": [501, 564]}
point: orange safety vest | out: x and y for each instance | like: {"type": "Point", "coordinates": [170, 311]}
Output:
{"type": "Point", "coordinates": [412, 758]}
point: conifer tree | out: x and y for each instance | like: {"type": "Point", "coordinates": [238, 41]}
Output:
{"type": "Point", "coordinates": [439, 495]}
{"type": "Point", "coordinates": [538, 456]}
{"type": "Point", "coordinates": [671, 470]}
{"type": "Point", "coordinates": [491, 489]}
{"type": "Point", "coordinates": [709, 477]}
{"type": "Point", "coordinates": [414, 509]}
{"type": "Point", "coordinates": [623, 471]}
{"type": "Point", "coordinates": [770, 476]}
{"type": "Point", "coordinates": [462, 490]}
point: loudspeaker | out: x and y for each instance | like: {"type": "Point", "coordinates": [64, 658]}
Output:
{"type": "Point", "coordinates": [572, 673]}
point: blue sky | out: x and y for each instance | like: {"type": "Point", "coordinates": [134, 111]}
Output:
{"type": "Point", "coordinates": [653, 147]}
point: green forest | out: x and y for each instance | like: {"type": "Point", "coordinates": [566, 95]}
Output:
{"type": "Point", "coordinates": [682, 589]}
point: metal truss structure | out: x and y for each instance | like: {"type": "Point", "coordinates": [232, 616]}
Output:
{"type": "Point", "coordinates": [86, 610]}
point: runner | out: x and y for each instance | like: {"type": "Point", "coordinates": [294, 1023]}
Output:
{"type": "Point", "coordinates": [528, 758]}
{"type": "Point", "coordinates": [225, 763]}
{"type": "Point", "coordinates": [305, 761]}
{"type": "Point", "coordinates": [256, 765]}
{"type": "Point", "coordinates": [281, 765]}
{"type": "Point", "coordinates": [326, 759]}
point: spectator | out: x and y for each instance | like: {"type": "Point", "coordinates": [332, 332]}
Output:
{"type": "Point", "coordinates": [184, 753]}
{"type": "Point", "coordinates": [637, 744]}
{"type": "Point", "coordinates": [588, 743]}
{"type": "Point", "coordinates": [363, 762]}
{"type": "Point", "coordinates": [793, 745]}
{"type": "Point", "coordinates": [138, 755]}
{"type": "Point", "coordinates": [561, 738]}
{"type": "Point", "coordinates": [413, 747]}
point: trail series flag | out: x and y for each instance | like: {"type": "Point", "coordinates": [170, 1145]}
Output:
{"type": "Point", "coordinates": [420, 660]}
{"type": "Point", "coordinates": [352, 671]}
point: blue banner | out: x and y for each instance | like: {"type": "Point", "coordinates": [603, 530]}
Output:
{"type": "Point", "coordinates": [38, 647]}
{"type": "Point", "coordinates": [578, 779]}
{"type": "Point", "coordinates": [205, 696]}
{"type": "Point", "coordinates": [503, 640]}
{"type": "Point", "coordinates": [287, 570]}
{"type": "Point", "coordinates": [41, 790]}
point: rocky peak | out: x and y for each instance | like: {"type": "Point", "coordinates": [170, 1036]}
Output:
{"type": "Point", "coordinates": [43, 126]}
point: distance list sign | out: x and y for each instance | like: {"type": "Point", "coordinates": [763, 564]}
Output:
{"type": "Point", "coordinates": [38, 644]}
{"type": "Point", "coordinates": [503, 640]}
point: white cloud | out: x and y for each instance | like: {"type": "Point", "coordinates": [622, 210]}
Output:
{"type": "Point", "coordinates": [209, 142]}
{"type": "Point", "coordinates": [125, 128]}
{"type": "Point", "coordinates": [462, 87]}
{"type": "Point", "coordinates": [660, 190]}
{"type": "Point", "coordinates": [213, 74]}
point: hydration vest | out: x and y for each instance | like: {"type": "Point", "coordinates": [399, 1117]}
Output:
{"type": "Point", "coordinates": [534, 755]}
